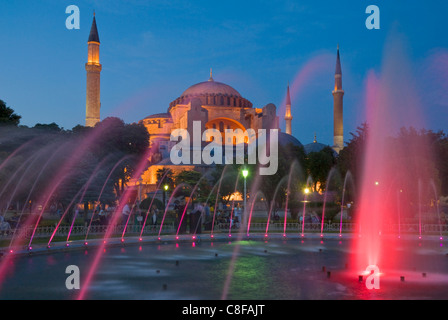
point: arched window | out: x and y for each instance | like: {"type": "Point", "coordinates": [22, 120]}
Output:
{"type": "Point", "coordinates": [221, 126]}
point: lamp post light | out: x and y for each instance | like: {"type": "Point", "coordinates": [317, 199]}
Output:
{"type": "Point", "coordinates": [245, 174]}
{"type": "Point", "coordinates": [165, 189]}
{"type": "Point", "coordinates": [306, 191]}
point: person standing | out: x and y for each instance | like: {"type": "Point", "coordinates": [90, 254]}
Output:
{"type": "Point", "coordinates": [125, 213]}
{"type": "Point", "coordinates": [154, 218]}
{"type": "Point", "coordinates": [102, 216]}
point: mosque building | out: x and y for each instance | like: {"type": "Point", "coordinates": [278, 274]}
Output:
{"type": "Point", "coordinates": [215, 104]}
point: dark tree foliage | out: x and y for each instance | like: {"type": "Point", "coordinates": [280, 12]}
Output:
{"type": "Point", "coordinates": [319, 165]}
{"type": "Point", "coordinates": [291, 162]}
{"type": "Point", "coordinates": [69, 167]}
{"type": "Point", "coordinates": [191, 179]}
{"type": "Point", "coordinates": [351, 157]}
{"type": "Point", "coordinates": [7, 115]}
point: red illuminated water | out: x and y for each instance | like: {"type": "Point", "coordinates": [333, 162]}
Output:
{"type": "Point", "coordinates": [152, 200]}
{"type": "Point", "coordinates": [392, 102]}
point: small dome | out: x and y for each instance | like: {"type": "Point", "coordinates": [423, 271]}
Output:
{"type": "Point", "coordinates": [316, 147]}
{"type": "Point", "coordinates": [159, 116]}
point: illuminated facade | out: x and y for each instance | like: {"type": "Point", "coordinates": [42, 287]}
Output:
{"type": "Point", "coordinates": [217, 106]}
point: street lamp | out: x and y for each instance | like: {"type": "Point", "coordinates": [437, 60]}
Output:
{"type": "Point", "coordinates": [165, 189]}
{"type": "Point", "coordinates": [245, 174]}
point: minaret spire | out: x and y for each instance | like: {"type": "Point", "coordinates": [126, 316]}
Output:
{"type": "Point", "coordinates": [288, 115]}
{"type": "Point", "coordinates": [94, 31]}
{"type": "Point", "coordinates": [338, 94]}
{"type": "Point", "coordinates": [93, 68]}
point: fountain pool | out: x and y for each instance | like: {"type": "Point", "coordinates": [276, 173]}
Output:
{"type": "Point", "coordinates": [245, 269]}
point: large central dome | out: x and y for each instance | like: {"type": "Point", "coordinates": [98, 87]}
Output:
{"type": "Point", "coordinates": [211, 87]}
{"type": "Point", "coordinates": [213, 93]}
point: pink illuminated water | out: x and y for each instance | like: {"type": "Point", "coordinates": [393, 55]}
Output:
{"type": "Point", "coordinates": [83, 189]}
{"type": "Point", "coordinates": [233, 204]}
{"type": "Point", "coordinates": [113, 222]}
{"type": "Point", "coordinates": [277, 188]}
{"type": "Point", "coordinates": [330, 174]}
{"type": "Point", "coordinates": [217, 199]}
{"type": "Point", "coordinates": [102, 190]}
{"type": "Point", "coordinates": [127, 220]}
{"type": "Point", "coordinates": [186, 205]}
{"type": "Point", "coordinates": [251, 210]}
{"type": "Point", "coordinates": [152, 200]}
{"type": "Point", "coordinates": [168, 204]}
{"type": "Point", "coordinates": [288, 190]}
{"type": "Point", "coordinates": [392, 102]}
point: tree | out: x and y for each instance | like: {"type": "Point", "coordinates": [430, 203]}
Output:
{"type": "Point", "coordinates": [168, 177]}
{"type": "Point", "coordinates": [319, 165]}
{"type": "Point", "coordinates": [190, 179]}
{"type": "Point", "coordinates": [7, 115]}
{"type": "Point", "coordinates": [291, 169]}
{"type": "Point", "coordinates": [229, 174]}
{"type": "Point", "coordinates": [351, 157]}
{"type": "Point", "coordinates": [126, 144]}
{"type": "Point", "coordinates": [441, 156]}
{"type": "Point", "coordinates": [291, 157]}
{"type": "Point", "coordinates": [49, 127]}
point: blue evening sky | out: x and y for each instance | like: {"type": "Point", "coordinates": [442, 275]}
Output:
{"type": "Point", "coordinates": [152, 51]}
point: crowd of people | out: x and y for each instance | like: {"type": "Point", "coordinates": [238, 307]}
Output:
{"type": "Point", "coordinates": [192, 218]}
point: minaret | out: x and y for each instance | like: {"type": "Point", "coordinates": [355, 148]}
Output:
{"type": "Point", "coordinates": [93, 68]}
{"type": "Point", "coordinates": [338, 94]}
{"type": "Point", "coordinates": [288, 116]}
